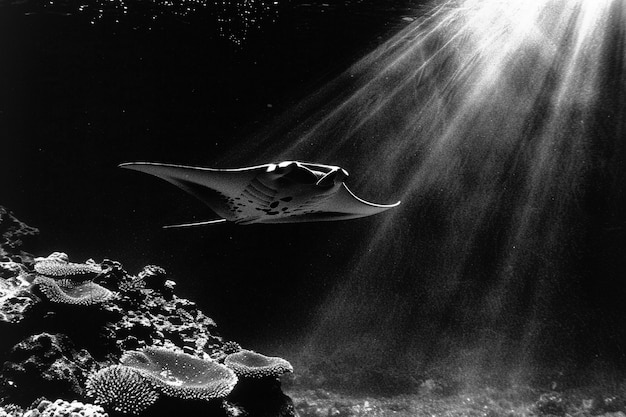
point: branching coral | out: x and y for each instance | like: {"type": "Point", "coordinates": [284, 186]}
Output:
{"type": "Point", "coordinates": [122, 389]}
{"type": "Point", "coordinates": [181, 375]}
{"type": "Point", "coordinates": [249, 364]}
{"type": "Point", "coordinates": [57, 265]}
{"type": "Point", "coordinates": [65, 291]}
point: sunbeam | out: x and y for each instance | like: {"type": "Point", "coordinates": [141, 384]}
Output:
{"type": "Point", "coordinates": [487, 116]}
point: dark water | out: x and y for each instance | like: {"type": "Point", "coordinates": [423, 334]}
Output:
{"type": "Point", "coordinates": [82, 90]}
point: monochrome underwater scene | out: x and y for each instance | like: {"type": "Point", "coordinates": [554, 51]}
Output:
{"type": "Point", "coordinates": [352, 208]}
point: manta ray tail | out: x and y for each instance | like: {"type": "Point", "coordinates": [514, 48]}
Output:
{"type": "Point", "coordinates": [208, 222]}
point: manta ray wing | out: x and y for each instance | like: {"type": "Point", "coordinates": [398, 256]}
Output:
{"type": "Point", "coordinates": [214, 187]}
{"type": "Point", "coordinates": [222, 180]}
{"type": "Point", "coordinates": [342, 205]}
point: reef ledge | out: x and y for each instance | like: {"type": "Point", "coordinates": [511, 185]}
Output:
{"type": "Point", "coordinates": [90, 339]}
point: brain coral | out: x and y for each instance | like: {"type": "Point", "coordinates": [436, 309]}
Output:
{"type": "Point", "coordinates": [57, 265]}
{"type": "Point", "coordinates": [249, 364]}
{"type": "Point", "coordinates": [65, 291]}
{"type": "Point", "coordinates": [122, 389]}
{"type": "Point", "coordinates": [182, 375]}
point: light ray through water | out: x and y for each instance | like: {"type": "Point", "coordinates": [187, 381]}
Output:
{"type": "Point", "coordinates": [485, 117]}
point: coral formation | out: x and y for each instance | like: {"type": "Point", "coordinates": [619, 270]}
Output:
{"type": "Point", "coordinates": [181, 375]}
{"type": "Point", "coordinates": [153, 276]}
{"type": "Point", "coordinates": [249, 364]}
{"type": "Point", "coordinates": [12, 234]}
{"type": "Point", "coordinates": [61, 408]}
{"type": "Point", "coordinates": [231, 347]}
{"type": "Point", "coordinates": [15, 295]}
{"type": "Point", "coordinates": [122, 389]}
{"type": "Point", "coordinates": [53, 346]}
{"type": "Point", "coordinates": [65, 291]}
{"type": "Point", "coordinates": [147, 317]}
{"type": "Point", "coordinates": [58, 265]}
{"type": "Point", "coordinates": [47, 362]}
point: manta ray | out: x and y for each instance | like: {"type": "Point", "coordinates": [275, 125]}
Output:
{"type": "Point", "coordinates": [287, 192]}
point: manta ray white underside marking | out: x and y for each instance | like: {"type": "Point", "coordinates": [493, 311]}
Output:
{"type": "Point", "coordinates": [288, 192]}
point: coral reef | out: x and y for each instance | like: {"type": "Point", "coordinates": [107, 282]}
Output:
{"type": "Point", "coordinates": [181, 375]}
{"type": "Point", "coordinates": [91, 332]}
{"type": "Point", "coordinates": [15, 295]}
{"type": "Point", "coordinates": [58, 408]}
{"type": "Point", "coordinates": [61, 408]}
{"type": "Point", "coordinates": [48, 362]}
{"type": "Point", "coordinates": [231, 347]}
{"type": "Point", "coordinates": [249, 364]}
{"type": "Point", "coordinates": [149, 317]}
{"type": "Point", "coordinates": [259, 388]}
{"type": "Point", "coordinates": [12, 234]}
{"type": "Point", "coordinates": [66, 291]}
{"type": "Point", "coordinates": [58, 265]}
{"type": "Point", "coordinates": [122, 389]}
{"type": "Point", "coordinates": [262, 398]}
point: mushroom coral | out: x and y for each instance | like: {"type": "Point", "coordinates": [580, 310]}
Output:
{"type": "Point", "coordinates": [122, 389]}
{"type": "Point", "coordinates": [249, 364]}
{"type": "Point", "coordinates": [65, 291]}
{"type": "Point", "coordinates": [182, 375]}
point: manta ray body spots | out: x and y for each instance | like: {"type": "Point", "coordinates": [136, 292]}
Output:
{"type": "Point", "coordinates": [288, 192]}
